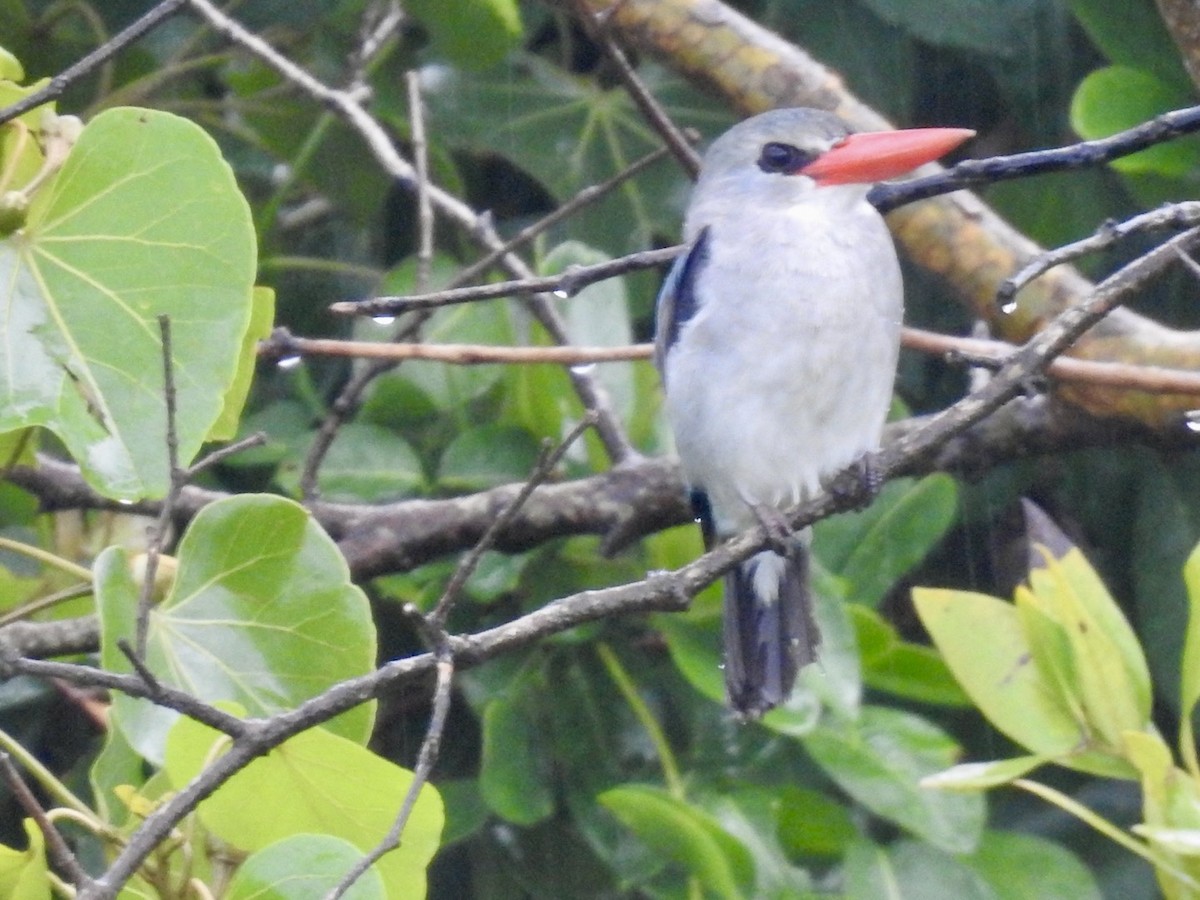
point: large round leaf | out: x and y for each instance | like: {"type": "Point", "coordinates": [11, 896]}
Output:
{"type": "Point", "coordinates": [314, 783]}
{"type": "Point", "coordinates": [262, 612]}
{"type": "Point", "coordinates": [144, 219]}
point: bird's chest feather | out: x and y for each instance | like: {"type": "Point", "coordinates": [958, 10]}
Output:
{"type": "Point", "coordinates": [785, 372]}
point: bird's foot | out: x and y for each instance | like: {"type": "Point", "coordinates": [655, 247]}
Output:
{"type": "Point", "coordinates": [780, 535]}
{"type": "Point", "coordinates": [859, 483]}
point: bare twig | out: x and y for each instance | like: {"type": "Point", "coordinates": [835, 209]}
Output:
{"type": "Point", "coordinates": [582, 198]}
{"type": "Point", "coordinates": [541, 471]}
{"type": "Point", "coordinates": [568, 282]}
{"type": "Point", "coordinates": [1176, 215]}
{"type": "Point", "coordinates": [56, 846]}
{"type": "Point", "coordinates": [974, 351]}
{"type": "Point", "coordinates": [1085, 154]}
{"type": "Point", "coordinates": [55, 86]}
{"type": "Point", "coordinates": [416, 117]}
{"type": "Point", "coordinates": [993, 354]}
{"type": "Point", "coordinates": [176, 478]}
{"type": "Point", "coordinates": [283, 344]}
{"type": "Point", "coordinates": [381, 21]}
{"type": "Point", "coordinates": [223, 453]}
{"type": "Point", "coordinates": [674, 138]}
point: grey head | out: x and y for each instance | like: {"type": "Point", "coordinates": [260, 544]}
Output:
{"type": "Point", "coordinates": [780, 141]}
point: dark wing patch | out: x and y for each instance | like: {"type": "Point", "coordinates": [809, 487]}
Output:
{"type": "Point", "coordinates": [702, 510]}
{"type": "Point", "coordinates": [677, 300]}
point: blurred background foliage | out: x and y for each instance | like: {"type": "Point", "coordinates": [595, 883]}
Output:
{"type": "Point", "coordinates": [601, 763]}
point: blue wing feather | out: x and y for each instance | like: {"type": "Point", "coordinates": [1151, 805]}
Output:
{"type": "Point", "coordinates": [677, 301]}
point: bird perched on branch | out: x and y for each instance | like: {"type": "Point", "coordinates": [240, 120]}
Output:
{"type": "Point", "coordinates": [777, 337]}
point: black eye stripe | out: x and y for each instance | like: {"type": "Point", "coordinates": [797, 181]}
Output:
{"type": "Point", "coordinates": [777, 157]}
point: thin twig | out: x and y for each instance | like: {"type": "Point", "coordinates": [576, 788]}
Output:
{"type": "Point", "coordinates": [426, 759]}
{"type": "Point", "coordinates": [993, 354]}
{"type": "Point", "coordinates": [416, 118]}
{"type": "Point", "coordinates": [973, 351]}
{"type": "Point", "coordinates": [584, 197]}
{"type": "Point", "coordinates": [1085, 154]}
{"type": "Point", "coordinates": [223, 453]}
{"type": "Point", "coordinates": [98, 57]}
{"type": "Point", "coordinates": [541, 471]}
{"type": "Point", "coordinates": [56, 846]}
{"type": "Point", "coordinates": [41, 603]}
{"type": "Point", "coordinates": [568, 282]}
{"type": "Point", "coordinates": [153, 685]}
{"type": "Point", "coordinates": [175, 482]}
{"type": "Point", "coordinates": [672, 135]}
{"type": "Point", "coordinates": [134, 686]}
{"type": "Point", "coordinates": [282, 344]}
{"type": "Point", "coordinates": [1176, 215]}
{"type": "Point", "coordinates": [381, 21]}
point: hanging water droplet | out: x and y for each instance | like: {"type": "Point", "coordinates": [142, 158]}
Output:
{"type": "Point", "coordinates": [383, 320]}
{"type": "Point", "coordinates": [124, 502]}
{"type": "Point", "coordinates": [1191, 419]}
{"type": "Point", "coordinates": [561, 294]}
{"type": "Point", "coordinates": [289, 362]}
{"type": "Point", "coordinates": [584, 369]}
{"type": "Point", "coordinates": [1008, 307]}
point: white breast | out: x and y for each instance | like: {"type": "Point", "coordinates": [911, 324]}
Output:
{"type": "Point", "coordinates": [784, 375]}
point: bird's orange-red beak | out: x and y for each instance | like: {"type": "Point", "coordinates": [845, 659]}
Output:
{"type": "Point", "coordinates": [876, 155]}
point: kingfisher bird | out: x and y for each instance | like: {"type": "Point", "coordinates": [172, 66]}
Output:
{"type": "Point", "coordinates": [777, 335]}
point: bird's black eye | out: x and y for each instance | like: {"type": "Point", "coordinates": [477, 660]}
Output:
{"type": "Point", "coordinates": [785, 158]}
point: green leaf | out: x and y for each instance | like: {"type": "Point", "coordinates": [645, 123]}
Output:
{"type": "Point", "coordinates": [487, 456]}
{"type": "Point", "coordinates": [116, 765]}
{"type": "Point", "coordinates": [1109, 672]}
{"type": "Point", "coordinates": [144, 219]}
{"type": "Point", "coordinates": [570, 132]}
{"type": "Point", "coordinates": [474, 34]}
{"type": "Point", "coordinates": [695, 648]}
{"type": "Point", "coordinates": [1001, 676]}
{"type": "Point", "coordinates": [686, 835]}
{"type": "Point", "coordinates": [751, 815]}
{"type": "Point", "coordinates": [980, 776]}
{"type": "Point", "coordinates": [1022, 866]}
{"type": "Point", "coordinates": [1119, 97]}
{"type": "Point", "coordinates": [898, 667]}
{"type": "Point", "coordinates": [967, 24]}
{"type": "Point", "coordinates": [813, 824]}
{"type": "Point", "coordinates": [262, 612]}
{"type": "Point", "coordinates": [272, 872]}
{"type": "Point", "coordinates": [512, 774]}
{"type": "Point", "coordinates": [597, 316]}
{"type": "Point", "coordinates": [365, 462]}
{"type": "Point", "coordinates": [1132, 33]}
{"type": "Point", "coordinates": [23, 873]}
{"type": "Point", "coordinates": [10, 67]}
{"type": "Point", "coordinates": [909, 871]}
{"type": "Point", "coordinates": [466, 813]}
{"type": "Point", "coordinates": [262, 317]}
{"type": "Point", "coordinates": [314, 783]}
{"type": "Point", "coordinates": [874, 548]}
{"type": "Point", "coordinates": [880, 760]}
{"type": "Point", "coordinates": [1166, 531]}
{"type": "Point", "coordinates": [449, 387]}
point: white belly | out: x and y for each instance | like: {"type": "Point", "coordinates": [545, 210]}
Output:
{"type": "Point", "coordinates": [784, 375]}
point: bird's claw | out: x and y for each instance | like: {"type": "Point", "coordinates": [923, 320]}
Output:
{"type": "Point", "coordinates": [859, 483]}
{"type": "Point", "coordinates": [780, 535]}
